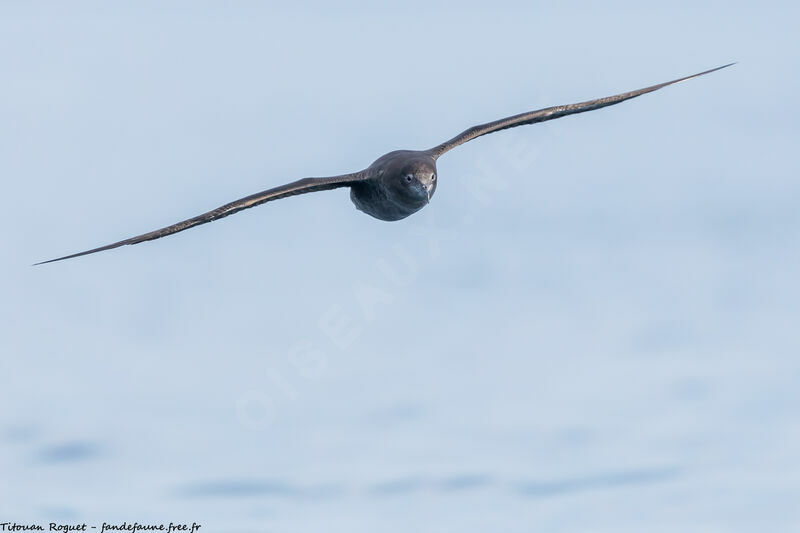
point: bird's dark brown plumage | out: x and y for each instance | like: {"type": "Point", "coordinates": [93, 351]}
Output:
{"type": "Point", "coordinates": [550, 113]}
{"type": "Point", "coordinates": [302, 186]}
{"type": "Point", "coordinates": [397, 184]}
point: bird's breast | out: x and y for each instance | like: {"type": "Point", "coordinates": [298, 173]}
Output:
{"type": "Point", "coordinates": [373, 200]}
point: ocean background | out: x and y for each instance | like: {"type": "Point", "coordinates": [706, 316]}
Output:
{"type": "Point", "coordinates": [592, 328]}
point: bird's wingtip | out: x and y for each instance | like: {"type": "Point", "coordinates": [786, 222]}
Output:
{"type": "Point", "coordinates": [45, 262]}
{"type": "Point", "coordinates": [692, 76]}
{"type": "Point", "coordinates": [726, 65]}
{"type": "Point", "coordinates": [66, 257]}
{"type": "Point", "coordinates": [717, 68]}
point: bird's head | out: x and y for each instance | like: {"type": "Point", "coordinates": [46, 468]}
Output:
{"type": "Point", "coordinates": [412, 182]}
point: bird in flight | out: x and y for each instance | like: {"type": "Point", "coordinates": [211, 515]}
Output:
{"type": "Point", "coordinates": [397, 184]}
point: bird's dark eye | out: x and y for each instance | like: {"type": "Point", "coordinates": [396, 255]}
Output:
{"type": "Point", "coordinates": [433, 177]}
{"type": "Point", "coordinates": [408, 178]}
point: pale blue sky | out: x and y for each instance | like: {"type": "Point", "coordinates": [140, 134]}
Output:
{"type": "Point", "coordinates": [604, 338]}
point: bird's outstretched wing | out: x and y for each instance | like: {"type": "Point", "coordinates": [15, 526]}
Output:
{"type": "Point", "coordinates": [302, 186]}
{"type": "Point", "coordinates": [550, 113]}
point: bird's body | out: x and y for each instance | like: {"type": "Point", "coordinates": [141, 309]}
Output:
{"type": "Point", "coordinates": [397, 184]}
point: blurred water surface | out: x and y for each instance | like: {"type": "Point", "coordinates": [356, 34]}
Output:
{"type": "Point", "coordinates": [593, 327]}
